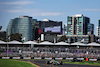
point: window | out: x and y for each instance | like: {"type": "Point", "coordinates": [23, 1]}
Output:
{"type": "Point", "coordinates": [69, 18]}
{"type": "Point", "coordinates": [69, 22]}
{"type": "Point", "coordinates": [80, 19]}
{"type": "Point", "coordinates": [69, 28]}
{"type": "Point", "coordinates": [69, 33]}
{"type": "Point", "coordinates": [80, 24]}
{"type": "Point", "coordinates": [80, 33]}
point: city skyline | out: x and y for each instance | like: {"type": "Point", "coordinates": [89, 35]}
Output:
{"type": "Point", "coordinates": [56, 10]}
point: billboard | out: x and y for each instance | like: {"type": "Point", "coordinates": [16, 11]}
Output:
{"type": "Point", "coordinates": [50, 27]}
{"type": "Point", "coordinates": [53, 29]}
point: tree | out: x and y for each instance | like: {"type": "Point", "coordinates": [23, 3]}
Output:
{"type": "Point", "coordinates": [15, 36]}
{"type": "Point", "coordinates": [63, 38]}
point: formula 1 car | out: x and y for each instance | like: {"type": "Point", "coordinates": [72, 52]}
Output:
{"type": "Point", "coordinates": [57, 63]}
{"type": "Point", "coordinates": [54, 62]}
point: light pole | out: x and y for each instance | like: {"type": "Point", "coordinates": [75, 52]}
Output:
{"type": "Point", "coordinates": [8, 45]}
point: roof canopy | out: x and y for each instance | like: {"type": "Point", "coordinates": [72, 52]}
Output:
{"type": "Point", "coordinates": [30, 42]}
{"type": "Point", "coordinates": [14, 42]}
{"type": "Point", "coordinates": [46, 43]}
{"type": "Point", "coordinates": [78, 43]}
{"type": "Point", "coordinates": [61, 43]}
{"type": "Point", "coordinates": [2, 42]}
{"type": "Point", "coordinates": [93, 44]}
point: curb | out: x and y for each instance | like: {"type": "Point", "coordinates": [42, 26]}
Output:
{"type": "Point", "coordinates": [33, 64]}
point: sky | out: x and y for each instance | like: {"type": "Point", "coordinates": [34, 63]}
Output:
{"type": "Point", "coordinates": [56, 10]}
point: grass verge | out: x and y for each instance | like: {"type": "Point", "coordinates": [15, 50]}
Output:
{"type": "Point", "coordinates": [84, 63]}
{"type": "Point", "coordinates": [13, 63]}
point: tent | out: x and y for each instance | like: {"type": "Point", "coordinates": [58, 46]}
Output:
{"type": "Point", "coordinates": [93, 44]}
{"type": "Point", "coordinates": [30, 42]}
{"type": "Point", "coordinates": [78, 43]}
{"type": "Point", "coordinates": [14, 42]}
{"type": "Point", "coordinates": [46, 43]}
{"type": "Point", "coordinates": [61, 43]}
{"type": "Point", "coordinates": [2, 42]}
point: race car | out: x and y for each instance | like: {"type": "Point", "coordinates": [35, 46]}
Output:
{"type": "Point", "coordinates": [57, 63]}
{"type": "Point", "coordinates": [54, 62]}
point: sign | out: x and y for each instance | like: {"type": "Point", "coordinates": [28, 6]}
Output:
{"type": "Point", "coordinates": [80, 58]}
{"type": "Point", "coordinates": [5, 57]}
{"type": "Point", "coordinates": [26, 57]}
{"type": "Point", "coordinates": [48, 58]}
{"type": "Point", "coordinates": [92, 59]}
{"type": "Point", "coordinates": [16, 57]}
{"type": "Point", "coordinates": [37, 58]}
{"type": "Point", "coordinates": [69, 58]}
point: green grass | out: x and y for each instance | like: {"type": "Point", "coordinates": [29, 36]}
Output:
{"type": "Point", "coordinates": [84, 63]}
{"type": "Point", "coordinates": [14, 63]}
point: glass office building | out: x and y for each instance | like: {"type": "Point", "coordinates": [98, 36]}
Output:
{"type": "Point", "coordinates": [90, 29]}
{"type": "Point", "coordinates": [21, 25]}
{"type": "Point", "coordinates": [77, 25]}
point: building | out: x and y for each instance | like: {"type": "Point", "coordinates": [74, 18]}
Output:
{"type": "Point", "coordinates": [90, 29]}
{"type": "Point", "coordinates": [35, 25]}
{"type": "Point", "coordinates": [3, 35]}
{"type": "Point", "coordinates": [21, 25]}
{"type": "Point", "coordinates": [77, 25]}
{"type": "Point", "coordinates": [98, 29]}
{"type": "Point", "coordinates": [79, 29]}
{"type": "Point", "coordinates": [49, 29]}
{"type": "Point", "coordinates": [65, 29]}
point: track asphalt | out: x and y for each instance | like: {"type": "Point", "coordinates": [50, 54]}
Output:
{"type": "Point", "coordinates": [42, 63]}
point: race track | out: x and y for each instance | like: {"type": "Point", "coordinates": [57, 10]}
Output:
{"type": "Point", "coordinates": [42, 63]}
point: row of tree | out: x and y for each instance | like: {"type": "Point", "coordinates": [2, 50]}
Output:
{"type": "Point", "coordinates": [64, 38]}
{"type": "Point", "coordinates": [15, 36]}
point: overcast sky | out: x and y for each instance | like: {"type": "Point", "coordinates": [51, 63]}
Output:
{"type": "Point", "coordinates": [56, 10]}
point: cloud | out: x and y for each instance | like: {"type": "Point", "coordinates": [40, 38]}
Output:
{"type": "Point", "coordinates": [17, 3]}
{"type": "Point", "coordinates": [90, 9]}
{"type": "Point", "coordinates": [35, 12]}
{"type": "Point", "coordinates": [47, 14]}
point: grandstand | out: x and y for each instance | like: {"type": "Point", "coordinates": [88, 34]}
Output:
{"type": "Point", "coordinates": [49, 51]}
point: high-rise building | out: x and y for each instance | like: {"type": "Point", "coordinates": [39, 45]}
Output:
{"type": "Point", "coordinates": [79, 29]}
{"type": "Point", "coordinates": [21, 25]}
{"type": "Point", "coordinates": [98, 29]}
{"type": "Point", "coordinates": [77, 25]}
{"type": "Point", "coordinates": [35, 25]}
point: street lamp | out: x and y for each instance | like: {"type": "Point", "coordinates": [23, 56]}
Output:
{"type": "Point", "coordinates": [8, 45]}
